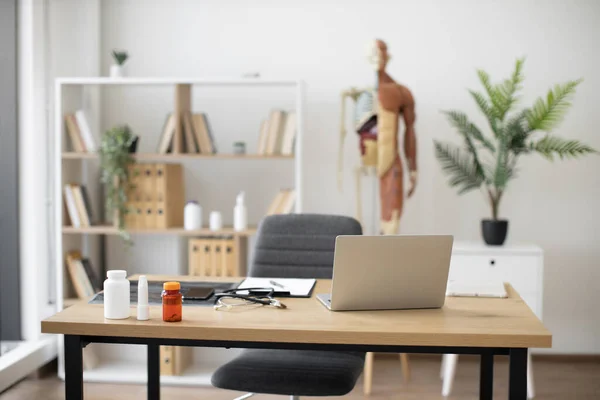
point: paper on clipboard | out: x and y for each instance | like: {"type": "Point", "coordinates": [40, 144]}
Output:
{"type": "Point", "coordinates": [296, 287]}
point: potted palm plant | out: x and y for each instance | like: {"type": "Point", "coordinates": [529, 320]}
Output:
{"type": "Point", "coordinates": [488, 162]}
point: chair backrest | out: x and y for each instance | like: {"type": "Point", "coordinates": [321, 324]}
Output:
{"type": "Point", "coordinates": [299, 245]}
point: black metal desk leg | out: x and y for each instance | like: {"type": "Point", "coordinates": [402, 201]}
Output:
{"type": "Point", "coordinates": [153, 372]}
{"type": "Point", "coordinates": [486, 376]}
{"type": "Point", "coordinates": [73, 368]}
{"type": "Point", "coordinates": [517, 385]}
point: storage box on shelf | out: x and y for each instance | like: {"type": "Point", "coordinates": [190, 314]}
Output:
{"type": "Point", "coordinates": [157, 196]}
{"type": "Point", "coordinates": [80, 165]}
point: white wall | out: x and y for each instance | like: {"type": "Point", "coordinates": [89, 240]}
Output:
{"type": "Point", "coordinates": [436, 46]}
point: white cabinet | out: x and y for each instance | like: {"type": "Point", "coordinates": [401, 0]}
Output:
{"type": "Point", "coordinates": [521, 266]}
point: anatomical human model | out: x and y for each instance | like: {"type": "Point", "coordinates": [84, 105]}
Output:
{"type": "Point", "coordinates": [377, 113]}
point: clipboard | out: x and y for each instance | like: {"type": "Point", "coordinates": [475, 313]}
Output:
{"type": "Point", "coordinates": [283, 287]}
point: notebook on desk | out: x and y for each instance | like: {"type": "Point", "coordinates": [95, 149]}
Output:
{"type": "Point", "coordinates": [283, 287]}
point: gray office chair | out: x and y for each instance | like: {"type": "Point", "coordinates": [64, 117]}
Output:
{"type": "Point", "coordinates": [295, 246]}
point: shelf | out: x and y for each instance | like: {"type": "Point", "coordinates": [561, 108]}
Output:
{"type": "Point", "coordinates": [102, 80]}
{"type": "Point", "coordinates": [135, 372]}
{"type": "Point", "coordinates": [110, 230]}
{"type": "Point", "coordinates": [183, 156]}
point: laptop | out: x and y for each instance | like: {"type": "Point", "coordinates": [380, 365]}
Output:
{"type": "Point", "coordinates": [389, 272]}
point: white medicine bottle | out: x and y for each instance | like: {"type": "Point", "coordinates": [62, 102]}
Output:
{"type": "Point", "coordinates": [116, 295]}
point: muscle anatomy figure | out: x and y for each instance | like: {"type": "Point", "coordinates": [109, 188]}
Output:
{"type": "Point", "coordinates": [377, 113]}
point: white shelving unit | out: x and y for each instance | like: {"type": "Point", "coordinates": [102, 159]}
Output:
{"type": "Point", "coordinates": [71, 94]}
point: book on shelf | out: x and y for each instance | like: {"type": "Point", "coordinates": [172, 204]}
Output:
{"type": "Point", "coordinates": [86, 131]}
{"type": "Point", "coordinates": [196, 130]}
{"type": "Point", "coordinates": [262, 138]}
{"type": "Point", "coordinates": [203, 133]}
{"type": "Point", "coordinates": [288, 140]}
{"type": "Point", "coordinates": [275, 132]}
{"type": "Point", "coordinates": [167, 134]}
{"type": "Point", "coordinates": [190, 145]}
{"type": "Point", "coordinates": [81, 281]}
{"type": "Point", "coordinates": [211, 137]}
{"type": "Point", "coordinates": [71, 206]}
{"type": "Point", "coordinates": [78, 205]}
{"type": "Point", "coordinates": [74, 134]}
{"type": "Point", "coordinates": [283, 203]}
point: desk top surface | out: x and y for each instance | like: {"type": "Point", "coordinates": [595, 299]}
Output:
{"type": "Point", "coordinates": [466, 321]}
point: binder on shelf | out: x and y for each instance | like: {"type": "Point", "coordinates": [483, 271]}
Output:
{"type": "Point", "coordinates": [74, 134]}
{"type": "Point", "coordinates": [170, 195]}
{"type": "Point", "coordinates": [215, 257]}
{"type": "Point", "coordinates": [194, 257]}
{"type": "Point", "coordinates": [133, 218]}
{"type": "Point", "coordinates": [174, 359]}
{"type": "Point", "coordinates": [148, 194]}
{"type": "Point", "coordinates": [229, 256]}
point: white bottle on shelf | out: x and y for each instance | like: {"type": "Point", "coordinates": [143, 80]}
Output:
{"type": "Point", "coordinates": [192, 216]}
{"type": "Point", "coordinates": [116, 295]}
{"type": "Point", "coordinates": [240, 214]}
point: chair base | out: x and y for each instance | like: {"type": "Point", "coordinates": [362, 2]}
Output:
{"type": "Point", "coordinates": [248, 395]}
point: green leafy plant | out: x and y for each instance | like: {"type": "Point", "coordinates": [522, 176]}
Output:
{"type": "Point", "coordinates": [489, 161]}
{"type": "Point", "coordinates": [120, 56]}
{"type": "Point", "coordinates": [115, 160]}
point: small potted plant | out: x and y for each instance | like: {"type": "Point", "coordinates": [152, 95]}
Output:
{"type": "Point", "coordinates": [489, 162]}
{"type": "Point", "coordinates": [115, 159]}
{"type": "Point", "coordinates": [117, 70]}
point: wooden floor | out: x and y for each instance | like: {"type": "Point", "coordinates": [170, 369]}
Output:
{"type": "Point", "coordinates": [554, 380]}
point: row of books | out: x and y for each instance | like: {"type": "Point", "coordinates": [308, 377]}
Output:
{"type": "Point", "coordinates": [78, 205]}
{"type": "Point", "coordinates": [197, 134]}
{"type": "Point", "coordinates": [213, 257]}
{"type": "Point", "coordinates": [80, 133]}
{"type": "Point", "coordinates": [283, 203]}
{"type": "Point", "coordinates": [278, 133]}
{"type": "Point", "coordinates": [157, 196]}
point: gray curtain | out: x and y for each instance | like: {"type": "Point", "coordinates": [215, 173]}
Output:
{"type": "Point", "coordinates": [10, 316]}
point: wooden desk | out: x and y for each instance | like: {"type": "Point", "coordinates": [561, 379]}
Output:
{"type": "Point", "coordinates": [482, 326]}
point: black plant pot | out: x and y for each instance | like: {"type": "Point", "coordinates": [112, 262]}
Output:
{"type": "Point", "coordinates": [494, 231]}
{"type": "Point", "coordinates": [133, 145]}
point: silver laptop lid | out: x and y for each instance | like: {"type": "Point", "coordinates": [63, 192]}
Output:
{"type": "Point", "coordinates": [390, 272]}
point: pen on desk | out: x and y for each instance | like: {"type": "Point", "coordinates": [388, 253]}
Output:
{"type": "Point", "coordinates": [277, 284]}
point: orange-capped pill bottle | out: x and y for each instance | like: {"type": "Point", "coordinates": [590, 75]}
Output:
{"type": "Point", "coordinates": [172, 302]}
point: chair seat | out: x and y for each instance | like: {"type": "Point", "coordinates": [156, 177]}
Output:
{"type": "Point", "coordinates": [291, 372]}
